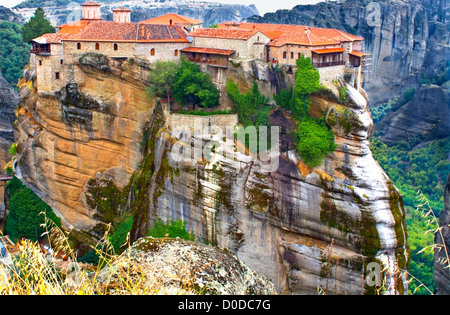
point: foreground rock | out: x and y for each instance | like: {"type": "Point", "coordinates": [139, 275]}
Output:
{"type": "Point", "coordinates": [176, 266]}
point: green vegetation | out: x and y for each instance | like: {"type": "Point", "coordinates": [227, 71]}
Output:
{"type": "Point", "coordinates": [426, 169]}
{"type": "Point", "coordinates": [314, 139]}
{"type": "Point", "coordinates": [171, 229]}
{"type": "Point", "coordinates": [379, 112]}
{"type": "Point", "coordinates": [408, 95]}
{"type": "Point", "coordinates": [191, 86]}
{"type": "Point", "coordinates": [14, 53]}
{"type": "Point", "coordinates": [162, 78]}
{"type": "Point", "coordinates": [253, 111]}
{"type": "Point", "coordinates": [203, 113]}
{"type": "Point", "coordinates": [27, 213]}
{"type": "Point", "coordinates": [38, 25]}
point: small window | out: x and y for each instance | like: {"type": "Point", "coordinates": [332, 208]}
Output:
{"type": "Point", "coordinates": [79, 46]}
{"type": "Point", "coordinates": [40, 62]}
{"type": "Point", "coordinates": [284, 55]}
{"type": "Point", "coordinates": [292, 55]}
{"type": "Point", "coordinates": [97, 46]}
{"type": "Point", "coordinates": [152, 52]}
{"type": "Point", "coordinates": [116, 47]}
{"type": "Point", "coordinates": [57, 76]}
{"type": "Point", "coordinates": [62, 61]}
{"type": "Point", "coordinates": [176, 53]}
{"type": "Point", "coordinates": [299, 55]}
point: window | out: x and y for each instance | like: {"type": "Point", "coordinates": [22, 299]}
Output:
{"type": "Point", "coordinates": [79, 46]}
{"type": "Point", "coordinates": [176, 53]}
{"type": "Point", "coordinates": [284, 55]}
{"type": "Point", "coordinates": [116, 47]}
{"type": "Point", "coordinates": [299, 55]}
{"type": "Point", "coordinates": [292, 55]}
{"type": "Point", "coordinates": [57, 75]}
{"type": "Point", "coordinates": [97, 46]}
{"type": "Point", "coordinates": [62, 61]}
{"type": "Point", "coordinates": [152, 52]}
{"type": "Point", "coordinates": [40, 62]}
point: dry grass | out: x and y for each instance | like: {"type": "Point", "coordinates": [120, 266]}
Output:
{"type": "Point", "coordinates": [32, 270]}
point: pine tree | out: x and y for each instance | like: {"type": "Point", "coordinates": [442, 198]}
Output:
{"type": "Point", "coordinates": [38, 25]}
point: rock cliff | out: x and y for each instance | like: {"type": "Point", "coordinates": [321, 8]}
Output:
{"type": "Point", "coordinates": [100, 139]}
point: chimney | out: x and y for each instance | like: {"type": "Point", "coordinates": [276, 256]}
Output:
{"type": "Point", "coordinates": [122, 15]}
{"type": "Point", "coordinates": [91, 11]}
{"type": "Point", "coordinates": [171, 22]}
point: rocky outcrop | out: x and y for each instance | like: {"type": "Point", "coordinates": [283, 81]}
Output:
{"type": "Point", "coordinates": [405, 40]}
{"type": "Point", "coordinates": [9, 98]}
{"type": "Point", "coordinates": [304, 228]}
{"type": "Point", "coordinates": [91, 129]}
{"type": "Point", "coordinates": [425, 116]}
{"type": "Point", "coordinates": [176, 266]}
{"type": "Point", "coordinates": [7, 15]}
{"type": "Point", "coordinates": [441, 263]}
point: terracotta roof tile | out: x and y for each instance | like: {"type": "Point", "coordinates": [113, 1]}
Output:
{"type": "Point", "coordinates": [328, 50]}
{"type": "Point", "coordinates": [282, 34]}
{"type": "Point", "coordinates": [91, 3]}
{"type": "Point", "coordinates": [121, 9]}
{"type": "Point", "coordinates": [212, 51]}
{"type": "Point", "coordinates": [357, 53]}
{"type": "Point", "coordinates": [51, 38]}
{"type": "Point", "coordinates": [224, 33]}
{"type": "Point", "coordinates": [134, 32]}
{"type": "Point", "coordinates": [176, 19]}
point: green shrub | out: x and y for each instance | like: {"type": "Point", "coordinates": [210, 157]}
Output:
{"type": "Point", "coordinates": [408, 95]}
{"type": "Point", "coordinates": [171, 229]}
{"type": "Point", "coordinates": [27, 213]}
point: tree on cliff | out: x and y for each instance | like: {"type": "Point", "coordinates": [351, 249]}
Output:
{"type": "Point", "coordinates": [38, 25]}
{"type": "Point", "coordinates": [162, 78]}
{"type": "Point", "coordinates": [191, 86]}
{"type": "Point", "coordinates": [14, 53]}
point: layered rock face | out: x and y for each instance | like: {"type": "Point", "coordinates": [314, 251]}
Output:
{"type": "Point", "coordinates": [441, 273]}
{"type": "Point", "coordinates": [90, 129]}
{"type": "Point", "coordinates": [405, 40]}
{"type": "Point", "coordinates": [306, 229]}
{"type": "Point", "coordinates": [9, 99]}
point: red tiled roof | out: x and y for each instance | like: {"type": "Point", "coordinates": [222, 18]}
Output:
{"type": "Point", "coordinates": [130, 32]}
{"type": "Point", "coordinates": [357, 53]}
{"type": "Point", "coordinates": [231, 33]}
{"type": "Point", "coordinates": [51, 38]}
{"type": "Point", "coordinates": [74, 27]}
{"type": "Point", "coordinates": [176, 19]}
{"type": "Point", "coordinates": [211, 51]}
{"type": "Point", "coordinates": [282, 34]}
{"type": "Point", "coordinates": [328, 50]}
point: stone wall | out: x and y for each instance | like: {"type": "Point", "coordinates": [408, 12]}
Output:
{"type": "Point", "coordinates": [46, 69]}
{"type": "Point", "coordinates": [328, 74]}
{"type": "Point", "coordinates": [191, 122]}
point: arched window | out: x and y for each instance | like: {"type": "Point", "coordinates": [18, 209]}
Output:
{"type": "Point", "coordinates": [285, 55]}
{"type": "Point", "coordinates": [116, 47]}
{"type": "Point", "coordinates": [97, 46]}
{"type": "Point", "coordinates": [152, 52]}
{"type": "Point", "coordinates": [79, 46]}
{"type": "Point", "coordinates": [299, 55]}
{"type": "Point", "coordinates": [292, 55]}
{"type": "Point", "coordinates": [176, 53]}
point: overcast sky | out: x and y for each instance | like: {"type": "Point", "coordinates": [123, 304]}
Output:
{"type": "Point", "coordinates": [262, 5]}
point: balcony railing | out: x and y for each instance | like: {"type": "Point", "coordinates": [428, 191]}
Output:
{"type": "Point", "coordinates": [210, 61]}
{"type": "Point", "coordinates": [328, 64]}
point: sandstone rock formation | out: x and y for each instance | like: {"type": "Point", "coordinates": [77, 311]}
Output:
{"type": "Point", "coordinates": [304, 228]}
{"type": "Point", "coordinates": [441, 273]}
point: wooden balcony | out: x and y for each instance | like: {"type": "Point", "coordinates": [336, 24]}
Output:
{"type": "Point", "coordinates": [328, 64]}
